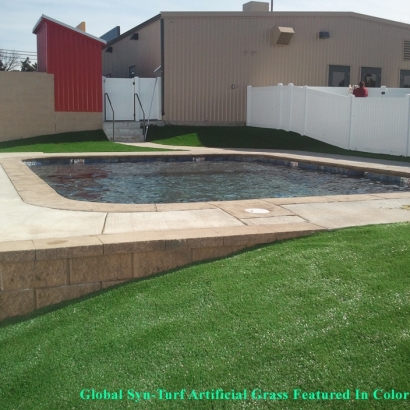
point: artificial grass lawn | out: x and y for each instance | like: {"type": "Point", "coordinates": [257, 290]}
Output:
{"type": "Point", "coordinates": [217, 137]}
{"type": "Point", "coordinates": [250, 137]}
{"type": "Point", "coordinates": [83, 141]}
{"type": "Point", "coordinates": [329, 312]}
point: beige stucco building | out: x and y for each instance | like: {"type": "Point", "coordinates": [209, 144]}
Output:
{"type": "Point", "coordinates": [208, 59]}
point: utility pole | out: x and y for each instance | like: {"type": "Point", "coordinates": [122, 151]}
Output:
{"type": "Point", "coordinates": [271, 5]}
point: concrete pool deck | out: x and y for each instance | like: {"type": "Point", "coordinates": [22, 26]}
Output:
{"type": "Point", "coordinates": [53, 249]}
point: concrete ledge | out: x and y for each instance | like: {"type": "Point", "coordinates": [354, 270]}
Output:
{"type": "Point", "coordinates": [51, 271]}
{"type": "Point", "coordinates": [18, 251]}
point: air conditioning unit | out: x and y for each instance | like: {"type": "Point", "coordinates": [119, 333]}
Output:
{"type": "Point", "coordinates": [281, 35]}
{"type": "Point", "coordinates": [255, 6]}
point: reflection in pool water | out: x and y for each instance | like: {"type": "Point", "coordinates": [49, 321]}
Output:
{"type": "Point", "coordinates": [198, 181]}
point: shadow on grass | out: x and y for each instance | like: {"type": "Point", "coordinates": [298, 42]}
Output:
{"type": "Point", "coordinates": [251, 138]}
{"type": "Point", "coordinates": [82, 141]}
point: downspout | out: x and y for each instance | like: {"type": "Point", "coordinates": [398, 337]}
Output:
{"type": "Point", "coordinates": [162, 69]}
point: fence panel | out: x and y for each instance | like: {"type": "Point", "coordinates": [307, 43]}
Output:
{"type": "Point", "coordinates": [285, 107]}
{"type": "Point", "coordinates": [379, 125]}
{"type": "Point", "coordinates": [149, 91]}
{"type": "Point", "coordinates": [263, 107]}
{"type": "Point", "coordinates": [328, 117]}
{"type": "Point", "coordinates": [297, 117]}
{"type": "Point", "coordinates": [122, 93]}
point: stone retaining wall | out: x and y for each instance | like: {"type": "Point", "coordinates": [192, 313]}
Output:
{"type": "Point", "coordinates": [34, 274]}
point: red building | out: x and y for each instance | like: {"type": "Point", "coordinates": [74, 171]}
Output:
{"type": "Point", "coordinates": [74, 57]}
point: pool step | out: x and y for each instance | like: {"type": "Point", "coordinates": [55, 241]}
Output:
{"type": "Point", "coordinates": [126, 131]}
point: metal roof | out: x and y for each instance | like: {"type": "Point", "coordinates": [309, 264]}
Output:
{"type": "Point", "coordinates": [44, 17]}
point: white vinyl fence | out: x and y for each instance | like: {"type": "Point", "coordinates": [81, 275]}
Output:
{"type": "Point", "coordinates": [379, 123]}
{"type": "Point", "coordinates": [122, 94]}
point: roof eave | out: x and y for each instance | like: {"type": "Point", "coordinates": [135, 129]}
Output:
{"type": "Point", "coordinates": [44, 17]}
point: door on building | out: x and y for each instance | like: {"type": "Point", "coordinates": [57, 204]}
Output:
{"type": "Point", "coordinates": [404, 78]}
{"type": "Point", "coordinates": [371, 76]}
{"type": "Point", "coordinates": [339, 76]}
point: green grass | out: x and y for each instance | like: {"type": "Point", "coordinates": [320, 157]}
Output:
{"type": "Point", "coordinates": [217, 137]}
{"type": "Point", "coordinates": [83, 141]}
{"type": "Point", "coordinates": [329, 312]}
{"type": "Point", "coordinates": [250, 137]}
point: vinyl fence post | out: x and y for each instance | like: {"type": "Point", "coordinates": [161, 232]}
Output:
{"type": "Point", "coordinates": [248, 105]}
{"type": "Point", "coordinates": [408, 126]}
{"type": "Point", "coordinates": [280, 85]}
{"type": "Point", "coordinates": [305, 113]}
{"type": "Point", "coordinates": [137, 113]}
{"type": "Point", "coordinates": [290, 88]}
{"type": "Point", "coordinates": [351, 111]}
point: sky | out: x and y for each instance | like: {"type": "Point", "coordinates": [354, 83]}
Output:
{"type": "Point", "coordinates": [18, 17]}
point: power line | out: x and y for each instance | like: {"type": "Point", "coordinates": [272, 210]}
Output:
{"type": "Point", "coordinates": [18, 51]}
{"type": "Point", "coordinates": [19, 54]}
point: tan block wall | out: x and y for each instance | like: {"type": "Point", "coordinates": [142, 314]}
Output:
{"type": "Point", "coordinates": [78, 121]}
{"type": "Point", "coordinates": [27, 108]}
{"type": "Point", "coordinates": [26, 105]}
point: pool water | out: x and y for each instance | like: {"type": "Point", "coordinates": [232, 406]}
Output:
{"type": "Point", "coordinates": [198, 181]}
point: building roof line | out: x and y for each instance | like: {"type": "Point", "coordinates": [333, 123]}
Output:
{"type": "Point", "coordinates": [134, 29]}
{"type": "Point", "coordinates": [244, 14]}
{"type": "Point", "coordinates": [44, 17]}
{"type": "Point", "coordinates": [182, 14]}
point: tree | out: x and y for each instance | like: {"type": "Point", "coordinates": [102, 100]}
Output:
{"type": "Point", "coordinates": [9, 60]}
{"type": "Point", "coordinates": [27, 66]}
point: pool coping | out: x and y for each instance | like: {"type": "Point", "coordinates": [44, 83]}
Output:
{"type": "Point", "coordinates": [33, 190]}
{"type": "Point", "coordinates": [39, 272]}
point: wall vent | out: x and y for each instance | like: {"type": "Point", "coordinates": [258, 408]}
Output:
{"type": "Point", "coordinates": [134, 36]}
{"type": "Point", "coordinates": [281, 35]}
{"type": "Point", "coordinates": [406, 50]}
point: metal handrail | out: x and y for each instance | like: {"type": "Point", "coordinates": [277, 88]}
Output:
{"type": "Point", "coordinates": [152, 99]}
{"type": "Point", "coordinates": [143, 116]}
{"type": "Point", "coordinates": [105, 113]}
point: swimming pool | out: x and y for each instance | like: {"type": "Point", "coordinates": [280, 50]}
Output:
{"type": "Point", "coordinates": [187, 178]}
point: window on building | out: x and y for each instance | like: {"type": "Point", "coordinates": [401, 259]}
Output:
{"type": "Point", "coordinates": [404, 78]}
{"type": "Point", "coordinates": [371, 76]}
{"type": "Point", "coordinates": [339, 76]}
{"type": "Point", "coordinates": [131, 71]}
